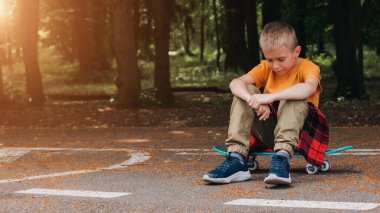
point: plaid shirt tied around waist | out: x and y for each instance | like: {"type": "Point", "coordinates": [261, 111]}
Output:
{"type": "Point", "coordinates": [314, 136]}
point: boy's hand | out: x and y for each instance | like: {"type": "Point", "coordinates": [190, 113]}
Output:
{"type": "Point", "coordinates": [263, 112]}
{"type": "Point", "coordinates": [259, 99]}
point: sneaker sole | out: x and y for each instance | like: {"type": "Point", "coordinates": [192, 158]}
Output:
{"type": "Point", "coordinates": [237, 177]}
{"type": "Point", "coordinates": [276, 180]}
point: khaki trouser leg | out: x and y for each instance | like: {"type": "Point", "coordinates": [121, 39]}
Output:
{"type": "Point", "coordinates": [241, 117]}
{"type": "Point", "coordinates": [291, 116]}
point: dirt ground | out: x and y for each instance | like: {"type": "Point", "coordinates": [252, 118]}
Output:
{"type": "Point", "coordinates": [192, 109]}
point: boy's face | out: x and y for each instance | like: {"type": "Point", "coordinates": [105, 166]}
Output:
{"type": "Point", "coordinates": [283, 59]}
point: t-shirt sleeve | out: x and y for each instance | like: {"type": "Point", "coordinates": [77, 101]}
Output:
{"type": "Point", "coordinates": [260, 74]}
{"type": "Point", "coordinates": [310, 70]}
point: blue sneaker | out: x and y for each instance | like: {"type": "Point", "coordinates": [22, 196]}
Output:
{"type": "Point", "coordinates": [231, 170]}
{"type": "Point", "coordinates": [279, 171]}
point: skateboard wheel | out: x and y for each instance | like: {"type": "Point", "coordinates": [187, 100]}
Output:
{"type": "Point", "coordinates": [311, 169]}
{"type": "Point", "coordinates": [254, 166]}
{"type": "Point", "coordinates": [325, 166]}
{"type": "Point", "coordinates": [252, 163]}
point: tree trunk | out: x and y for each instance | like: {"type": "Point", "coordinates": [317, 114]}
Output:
{"type": "Point", "coordinates": [363, 10]}
{"type": "Point", "coordinates": [124, 44]}
{"type": "Point", "coordinates": [136, 17]}
{"type": "Point", "coordinates": [188, 23]}
{"type": "Point", "coordinates": [202, 42]}
{"type": "Point", "coordinates": [136, 24]}
{"type": "Point", "coordinates": [2, 96]}
{"type": "Point", "coordinates": [100, 58]}
{"type": "Point", "coordinates": [345, 14]}
{"type": "Point", "coordinates": [162, 12]}
{"type": "Point", "coordinates": [252, 34]}
{"type": "Point", "coordinates": [299, 24]}
{"type": "Point", "coordinates": [236, 50]}
{"type": "Point", "coordinates": [321, 44]}
{"type": "Point", "coordinates": [271, 11]}
{"type": "Point", "coordinates": [28, 31]}
{"type": "Point", "coordinates": [82, 37]}
{"type": "Point", "coordinates": [216, 18]}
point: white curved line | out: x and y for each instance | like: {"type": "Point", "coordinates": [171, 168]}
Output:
{"type": "Point", "coordinates": [136, 157]}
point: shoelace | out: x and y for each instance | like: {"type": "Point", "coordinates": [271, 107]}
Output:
{"type": "Point", "coordinates": [227, 163]}
{"type": "Point", "coordinates": [278, 163]}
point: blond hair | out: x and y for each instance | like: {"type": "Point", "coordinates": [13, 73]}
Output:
{"type": "Point", "coordinates": [276, 35]}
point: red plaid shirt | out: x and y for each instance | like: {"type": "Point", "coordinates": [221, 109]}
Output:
{"type": "Point", "coordinates": [314, 136]}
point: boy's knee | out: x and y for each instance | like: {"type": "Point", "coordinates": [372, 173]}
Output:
{"type": "Point", "coordinates": [253, 90]}
{"type": "Point", "coordinates": [293, 108]}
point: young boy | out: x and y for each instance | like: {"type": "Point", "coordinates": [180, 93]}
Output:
{"type": "Point", "coordinates": [292, 81]}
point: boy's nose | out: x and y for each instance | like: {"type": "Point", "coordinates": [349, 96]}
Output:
{"type": "Point", "coordinates": [275, 66]}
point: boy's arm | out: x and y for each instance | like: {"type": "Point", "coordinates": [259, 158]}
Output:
{"type": "Point", "coordinates": [238, 86]}
{"type": "Point", "coordinates": [299, 91]}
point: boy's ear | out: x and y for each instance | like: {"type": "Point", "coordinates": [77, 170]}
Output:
{"type": "Point", "coordinates": [297, 51]}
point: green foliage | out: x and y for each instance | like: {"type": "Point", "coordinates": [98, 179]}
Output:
{"type": "Point", "coordinates": [59, 76]}
{"type": "Point", "coordinates": [371, 64]}
{"type": "Point", "coordinates": [57, 21]}
{"type": "Point", "coordinates": [325, 62]}
{"type": "Point", "coordinates": [146, 74]}
{"type": "Point", "coordinates": [371, 25]}
{"type": "Point", "coordinates": [187, 72]}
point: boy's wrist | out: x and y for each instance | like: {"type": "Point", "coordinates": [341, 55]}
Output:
{"type": "Point", "coordinates": [275, 97]}
{"type": "Point", "coordinates": [248, 97]}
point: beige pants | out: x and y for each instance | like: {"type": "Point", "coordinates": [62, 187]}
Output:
{"type": "Point", "coordinates": [279, 132]}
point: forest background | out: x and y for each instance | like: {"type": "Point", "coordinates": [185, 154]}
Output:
{"type": "Point", "coordinates": [143, 53]}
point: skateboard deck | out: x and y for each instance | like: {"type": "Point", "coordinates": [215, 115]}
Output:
{"type": "Point", "coordinates": [223, 150]}
{"type": "Point", "coordinates": [311, 169]}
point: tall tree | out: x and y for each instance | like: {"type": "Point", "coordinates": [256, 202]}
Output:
{"type": "Point", "coordinates": [82, 38]}
{"type": "Point", "coordinates": [216, 25]}
{"type": "Point", "coordinates": [345, 15]}
{"type": "Point", "coordinates": [3, 39]}
{"type": "Point", "coordinates": [124, 44]}
{"type": "Point", "coordinates": [371, 22]}
{"type": "Point", "coordinates": [99, 30]}
{"type": "Point", "coordinates": [296, 16]}
{"type": "Point", "coordinates": [28, 18]}
{"type": "Point", "coordinates": [271, 11]}
{"type": "Point", "coordinates": [2, 96]}
{"type": "Point", "coordinates": [236, 47]}
{"type": "Point", "coordinates": [252, 34]}
{"type": "Point", "coordinates": [203, 20]}
{"type": "Point", "coordinates": [188, 25]}
{"type": "Point", "coordinates": [363, 10]}
{"type": "Point", "coordinates": [162, 13]}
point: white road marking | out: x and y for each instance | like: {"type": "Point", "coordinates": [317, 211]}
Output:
{"type": "Point", "coordinates": [187, 150]}
{"type": "Point", "coordinates": [359, 152]}
{"type": "Point", "coordinates": [14, 153]}
{"type": "Point", "coordinates": [11, 154]}
{"type": "Point", "coordinates": [133, 140]}
{"type": "Point", "coordinates": [136, 157]}
{"type": "Point", "coordinates": [364, 150]}
{"type": "Point", "coordinates": [195, 153]}
{"type": "Point", "coordinates": [64, 149]}
{"type": "Point", "coordinates": [76, 193]}
{"type": "Point", "coordinates": [304, 204]}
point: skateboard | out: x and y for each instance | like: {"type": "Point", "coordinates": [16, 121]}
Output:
{"type": "Point", "coordinates": [311, 169]}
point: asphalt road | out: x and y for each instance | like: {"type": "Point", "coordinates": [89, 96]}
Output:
{"type": "Point", "coordinates": [160, 170]}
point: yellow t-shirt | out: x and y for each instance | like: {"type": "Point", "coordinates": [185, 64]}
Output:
{"type": "Point", "coordinates": [263, 76]}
